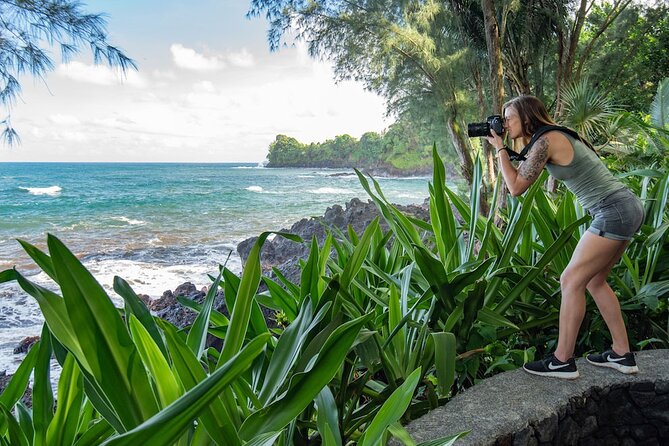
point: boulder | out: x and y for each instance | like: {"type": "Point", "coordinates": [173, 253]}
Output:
{"type": "Point", "coordinates": [285, 254]}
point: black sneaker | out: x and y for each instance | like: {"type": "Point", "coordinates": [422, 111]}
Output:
{"type": "Point", "coordinates": [624, 364]}
{"type": "Point", "coordinates": [551, 366]}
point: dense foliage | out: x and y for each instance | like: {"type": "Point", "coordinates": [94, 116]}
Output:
{"type": "Point", "coordinates": [406, 147]}
{"type": "Point", "coordinates": [382, 327]}
{"type": "Point", "coordinates": [458, 60]}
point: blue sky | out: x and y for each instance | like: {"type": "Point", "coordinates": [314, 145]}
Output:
{"type": "Point", "coordinates": [207, 90]}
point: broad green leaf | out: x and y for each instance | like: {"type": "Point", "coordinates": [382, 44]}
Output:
{"type": "Point", "coordinates": [134, 305]}
{"type": "Point", "coordinates": [266, 439]}
{"type": "Point", "coordinates": [190, 373]}
{"type": "Point", "coordinates": [104, 339]}
{"type": "Point", "coordinates": [16, 436]}
{"type": "Point", "coordinates": [311, 274]}
{"type": "Point", "coordinates": [391, 410]}
{"type": "Point", "coordinates": [545, 259]}
{"type": "Point", "coordinates": [444, 361]}
{"type": "Point", "coordinates": [25, 420]}
{"type": "Point", "coordinates": [197, 335]}
{"type": "Point", "coordinates": [55, 314]}
{"type": "Point", "coordinates": [496, 320]}
{"type": "Point", "coordinates": [171, 422]}
{"type": "Point", "coordinates": [288, 348]}
{"type": "Point", "coordinates": [40, 257]}
{"type": "Point", "coordinates": [305, 386]}
{"type": "Point", "coordinates": [165, 383]}
{"type": "Point", "coordinates": [283, 299]}
{"type": "Point", "coordinates": [216, 318]}
{"type": "Point", "coordinates": [327, 418]}
{"type": "Point", "coordinates": [241, 312]}
{"type": "Point", "coordinates": [444, 441]}
{"type": "Point", "coordinates": [63, 427]}
{"type": "Point", "coordinates": [359, 254]}
{"type": "Point", "coordinates": [95, 433]}
{"type": "Point", "coordinates": [19, 382]}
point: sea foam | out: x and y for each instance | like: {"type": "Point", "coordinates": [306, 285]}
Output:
{"type": "Point", "coordinates": [254, 189]}
{"type": "Point", "coordinates": [331, 191]}
{"type": "Point", "coordinates": [51, 191]}
{"type": "Point", "coordinates": [130, 221]}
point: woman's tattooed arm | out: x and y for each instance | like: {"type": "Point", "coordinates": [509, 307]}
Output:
{"type": "Point", "coordinates": [531, 168]}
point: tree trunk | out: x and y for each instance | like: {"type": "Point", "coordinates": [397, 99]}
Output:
{"type": "Point", "coordinates": [461, 147]}
{"type": "Point", "coordinates": [494, 46]}
{"type": "Point", "coordinates": [488, 151]}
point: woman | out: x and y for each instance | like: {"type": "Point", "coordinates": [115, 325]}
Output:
{"type": "Point", "coordinates": [617, 215]}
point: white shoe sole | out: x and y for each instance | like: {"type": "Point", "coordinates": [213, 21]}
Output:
{"type": "Point", "coordinates": [626, 369]}
{"type": "Point", "coordinates": [562, 375]}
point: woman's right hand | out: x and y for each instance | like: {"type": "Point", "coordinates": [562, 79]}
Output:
{"type": "Point", "coordinates": [495, 140]}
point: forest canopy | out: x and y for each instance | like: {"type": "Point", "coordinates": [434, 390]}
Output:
{"type": "Point", "coordinates": [455, 62]}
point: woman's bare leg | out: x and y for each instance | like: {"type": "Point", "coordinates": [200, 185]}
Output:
{"type": "Point", "coordinates": [609, 306]}
{"type": "Point", "coordinates": [592, 256]}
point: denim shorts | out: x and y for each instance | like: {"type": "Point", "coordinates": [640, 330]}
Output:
{"type": "Point", "coordinates": [617, 216]}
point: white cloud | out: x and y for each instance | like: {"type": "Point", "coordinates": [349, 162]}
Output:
{"type": "Point", "coordinates": [100, 75]}
{"type": "Point", "coordinates": [66, 120]}
{"type": "Point", "coordinates": [204, 87]}
{"type": "Point", "coordinates": [190, 59]}
{"type": "Point", "coordinates": [242, 58]}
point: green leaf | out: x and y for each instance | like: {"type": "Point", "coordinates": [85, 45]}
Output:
{"type": "Point", "coordinates": [444, 441]}
{"type": "Point", "coordinates": [248, 286]}
{"type": "Point", "coordinates": [190, 373]}
{"type": "Point", "coordinates": [64, 425]}
{"type": "Point", "coordinates": [545, 259]}
{"type": "Point", "coordinates": [391, 410]}
{"type": "Point", "coordinates": [104, 339]}
{"type": "Point", "coordinates": [444, 361]}
{"type": "Point", "coordinates": [496, 320]}
{"type": "Point", "coordinates": [288, 348]}
{"type": "Point", "coordinates": [54, 311]}
{"type": "Point", "coordinates": [25, 420]}
{"type": "Point", "coordinates": [134, 305]}
{"type": "Point", "coordinates": [359, 254]}
{"type": "Point", "coordinates": [305, 386]}
{"type": "Point", "coordinates": [40, 257]}
{"type": "Point", "coordinates": [327, 418]}
{"type": "Point", "coordinates": [197, 335]}
{"type": "Point", "coordinates": [165, 382]}
{"type": "Point", "coordinates": [171, 422]}
{"type": "Point", "coordinates": [19, 382]}
{"type": "Point", "coordinates": [16, 435]}
{"type": "Point", "coordinates": [98, 431]}
{"type": "Point", "coordinates": [266, 439]}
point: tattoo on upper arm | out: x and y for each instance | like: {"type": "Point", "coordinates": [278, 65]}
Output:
{"type": "Point", "coordinates": [531, 168]}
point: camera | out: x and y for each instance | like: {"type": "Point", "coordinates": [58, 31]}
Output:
{"type": "Point", "coordinates": [495, 122]}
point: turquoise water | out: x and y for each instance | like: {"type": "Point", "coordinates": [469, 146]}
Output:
{"type": "Point", "coordinates": [156, 225]}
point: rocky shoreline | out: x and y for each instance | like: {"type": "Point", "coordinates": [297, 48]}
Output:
{"type": "Point", "coordinates": [278, 252]}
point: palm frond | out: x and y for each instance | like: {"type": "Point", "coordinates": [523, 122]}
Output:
{"type": "Point", "coordinates": [659, 109]}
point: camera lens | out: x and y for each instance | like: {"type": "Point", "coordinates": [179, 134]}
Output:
{"type": "Point", "coordinates": [478, 129]}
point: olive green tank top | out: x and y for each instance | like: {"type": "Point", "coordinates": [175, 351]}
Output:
{"type": "Point", "coordinates": [586, 176]}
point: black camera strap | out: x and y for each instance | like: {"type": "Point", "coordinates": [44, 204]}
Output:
{"type": "Point", "coordinates": [522, 156]}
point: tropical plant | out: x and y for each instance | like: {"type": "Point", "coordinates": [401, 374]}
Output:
{"type": "Point", "coordinates": [382, 327]}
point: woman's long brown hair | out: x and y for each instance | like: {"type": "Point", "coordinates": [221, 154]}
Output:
{"type": "Point", "coordinates": [531, 111]}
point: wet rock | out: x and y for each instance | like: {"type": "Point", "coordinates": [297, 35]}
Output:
{"type": "Point", "coordinates": [27, 397]}
{"type": "Point", "coordinates": [25, 344]}
{"type": "Point", "coordinates": [285, 254]}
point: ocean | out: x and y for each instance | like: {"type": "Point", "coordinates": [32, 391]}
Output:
{"type": "Point", "coordinates": [156, 225]}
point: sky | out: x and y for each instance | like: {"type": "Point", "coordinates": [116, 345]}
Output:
{"type": "Point", "coordinates": [207, 90]}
